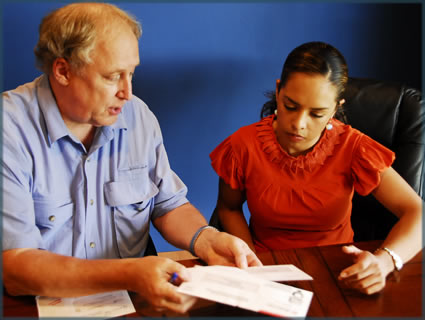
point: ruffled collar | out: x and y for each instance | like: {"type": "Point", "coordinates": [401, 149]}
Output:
{"type": "Point", "coordinates": [316, 157]}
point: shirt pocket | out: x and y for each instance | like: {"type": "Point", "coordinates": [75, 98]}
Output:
{"type": "Point", "coordinates": [55, 220]}
{"type": "Point", "coordinates": [132, 202]}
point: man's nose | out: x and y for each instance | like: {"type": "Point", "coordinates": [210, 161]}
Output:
{"type": "Point", "coordinates": [125, 90]}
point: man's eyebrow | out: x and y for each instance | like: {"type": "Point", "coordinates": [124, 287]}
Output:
{"type": "Point", "coordinates": [119, 70]}
{"type": "Point", "coordinates": [298, 105]}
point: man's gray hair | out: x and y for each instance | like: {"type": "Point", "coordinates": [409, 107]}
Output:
{"type": "Point", "coordinates": [70, 32]}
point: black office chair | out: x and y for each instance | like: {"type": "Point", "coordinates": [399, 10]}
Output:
{"type": "Point", "coordinates": [150, 248]}
{"type": "Point", "coordinates": [392, 114]}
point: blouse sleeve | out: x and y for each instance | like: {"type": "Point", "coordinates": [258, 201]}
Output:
{"type": "Point", "coordinates": [370, 159]}
{"type": "Point", "coordinates": [226, 164]}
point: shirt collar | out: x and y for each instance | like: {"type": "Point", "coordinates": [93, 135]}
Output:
{"type": "Point", "coordinates": [56, 127]}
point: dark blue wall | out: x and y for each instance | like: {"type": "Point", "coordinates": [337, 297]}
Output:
{"type": "Point", "coordinates": [204, 67]}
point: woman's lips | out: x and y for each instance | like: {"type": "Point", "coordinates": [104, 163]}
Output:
{"type": "Point", "coordinates": [295, 137]}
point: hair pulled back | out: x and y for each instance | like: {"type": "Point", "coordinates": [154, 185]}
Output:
{"type": "Point", "coordinates": [312, 58]}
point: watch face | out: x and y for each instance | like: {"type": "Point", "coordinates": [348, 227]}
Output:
{"type": "Point", "coordinates": [397, 260]}
{"type": "Point", "coordinates": [398, 263]}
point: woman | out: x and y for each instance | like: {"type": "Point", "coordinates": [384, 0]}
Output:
{"type": "Point", "coordinates": [298, 168]}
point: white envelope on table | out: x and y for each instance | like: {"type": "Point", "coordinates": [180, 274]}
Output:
{"type": "Point", "coordinates": [282, 272]}
{"type": "Point", "coordinates": [238, 288]}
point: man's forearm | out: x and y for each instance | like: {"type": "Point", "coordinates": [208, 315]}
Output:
{"type": "Point", "coordinates": [39, 272]}
{"type": "Point", "coordinates": [179, 225]}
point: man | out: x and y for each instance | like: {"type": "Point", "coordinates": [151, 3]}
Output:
{"type": "Point", "coordinates": [84, 171]}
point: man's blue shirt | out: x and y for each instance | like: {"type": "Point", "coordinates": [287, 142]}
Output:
{"type": "Point", "coordinates": [94, 203]}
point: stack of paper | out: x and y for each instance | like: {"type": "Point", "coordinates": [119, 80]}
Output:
{"type": "Point", "coordinates": [104, 305]}
{"type": "Point", "coordinates": [251, 289]}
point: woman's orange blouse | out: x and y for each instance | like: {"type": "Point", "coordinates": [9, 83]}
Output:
{"type": "Point", "coordinates": [306, 200]}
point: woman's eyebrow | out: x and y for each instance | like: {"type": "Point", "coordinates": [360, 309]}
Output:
{"type": "Point", "coordinates": [291, 100]}
{"type": "Point", "coordinates": [298, 104]}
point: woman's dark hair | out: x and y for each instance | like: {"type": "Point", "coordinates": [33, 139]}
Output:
{"type": "Point", "coordinates": [311, 58]}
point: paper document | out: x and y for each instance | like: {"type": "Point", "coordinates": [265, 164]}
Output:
{"type": "Point", "coordinates": [102, 305]}
{"type": "Point", "coordinates": [238, 288]}
{"type": "Point", "coordinates": [283, 272]}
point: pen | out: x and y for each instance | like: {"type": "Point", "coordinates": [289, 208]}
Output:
{"type": "Point", "coordinates": [174, 277]}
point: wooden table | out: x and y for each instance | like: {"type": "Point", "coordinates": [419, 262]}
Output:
{"type": "Point", "coordinates": [401, 297]}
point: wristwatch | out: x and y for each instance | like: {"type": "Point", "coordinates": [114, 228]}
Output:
{"type": "Point", "coordinates": [398, 263]}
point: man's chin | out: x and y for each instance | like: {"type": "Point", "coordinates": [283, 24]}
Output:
{"type": "Point", "coordinates": [106, 122]}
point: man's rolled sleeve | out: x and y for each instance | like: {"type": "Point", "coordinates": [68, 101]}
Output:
{"type": "Point", "coordinates": [172, 190]}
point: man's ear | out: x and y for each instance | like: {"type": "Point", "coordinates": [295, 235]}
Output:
{"type": "Point", "coordinates": [61, 71]}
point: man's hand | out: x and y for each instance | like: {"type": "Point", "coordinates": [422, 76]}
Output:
{"type": "Point", "coordinates": [179, 225]}
{"type": "Point", "coordinates": [369, 271]}
{"type": "Point", "coordinates": [40, 272]}
{"type": "Point", "coordinates": [151, 279]}
{"type": "Point", "coordinates": [221, 248]}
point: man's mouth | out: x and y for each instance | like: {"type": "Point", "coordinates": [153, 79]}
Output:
{"type": "Point", "coordinates": [115, 110]}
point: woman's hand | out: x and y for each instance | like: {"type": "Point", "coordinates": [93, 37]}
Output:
{"type": "Point", "coordinates": [150, 278]}
{"type": "Point", "coordinates": [369, 271]}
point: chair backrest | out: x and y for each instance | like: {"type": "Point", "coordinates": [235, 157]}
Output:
{"type": "Point", "coordinates": [150, 248]}
{"type": "Point", "coordinates": [392, 114]}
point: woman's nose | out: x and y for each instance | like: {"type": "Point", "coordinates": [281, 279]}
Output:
{"type": "Point", "coordinates": [299, 121]}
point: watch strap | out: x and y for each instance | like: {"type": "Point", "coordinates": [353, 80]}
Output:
{"type": "Point", "coordinates": [398, 263]}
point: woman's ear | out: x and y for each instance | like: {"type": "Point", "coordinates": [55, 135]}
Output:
{"type": "Point", "coordinates": [277, 87]}
{"type": "Point", "coordinates": [61, 71]}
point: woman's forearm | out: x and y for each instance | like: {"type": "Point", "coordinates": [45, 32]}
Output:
{"type": "Point", "coordinates": [405, 238]}
{"type": "Point", "coordinates": [234, 222]}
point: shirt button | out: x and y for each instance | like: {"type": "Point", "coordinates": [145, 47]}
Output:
{"type": "Point", "coordinates": [52, 218]}
{"type": "Point", "coordinates": [91, 202]}
{"type": "Point", "coordinates": [92, 245]}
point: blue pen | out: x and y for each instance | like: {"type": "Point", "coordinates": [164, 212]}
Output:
{"type": "Point", "coordinates": [174, 277]}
